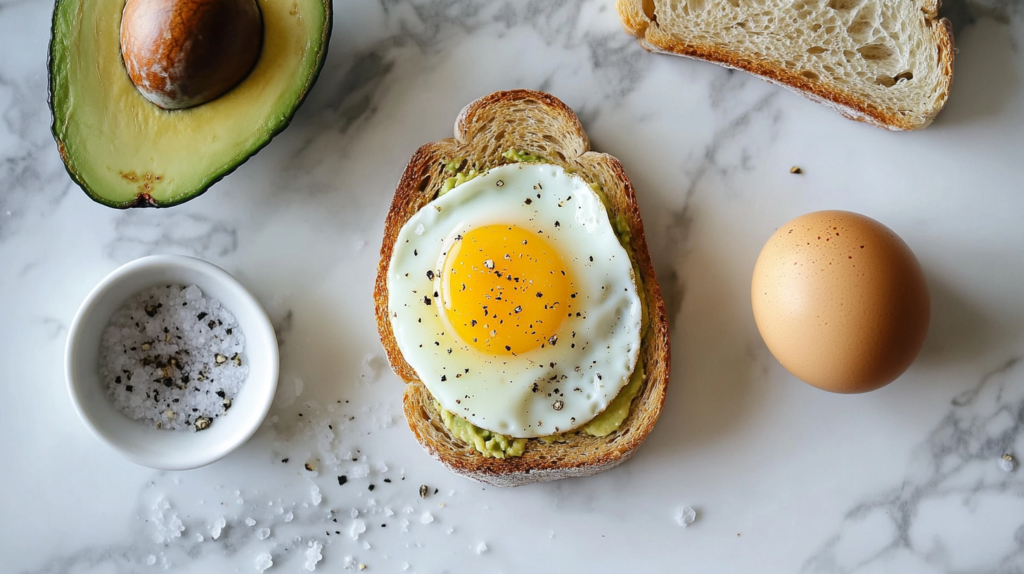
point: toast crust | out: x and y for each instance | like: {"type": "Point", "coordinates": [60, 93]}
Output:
{"type": "Point", "coordinates": [636, 23]}
{"type": "Point", "coordinates": [539, 123]}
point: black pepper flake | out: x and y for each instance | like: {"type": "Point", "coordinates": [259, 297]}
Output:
{"type": "Point", "coordinates": [553, 340]}
{"type": "Point", "coordinates": [284, 460]}
{"type": "Point", "coordinates": [591, 258]}
{"type": "Point", "coordinates": [309, 467]}
{"type": "Point", "coordinates": [430, 274]}
{"type": "Point", "coordinates": [201, 316]}
{"type": "Point", "coordinates": [387, 480]}
{"type": "Point", "coordinates": [424, 491]}
{"type": "Point", "coordinates": [151, 310]}
{"type": "Point", "coordinates": [528, 201]}
{"type": "Point", "coordinates": [443, 378]}
{"type": "Point", "coordinates": [342, 480]}
{"type": "Point", "coordinates": [426, 300]}
{"type": "Point", "coordinates": [499, 183]}
{"type": "Point", "coordinates": [372, 487]}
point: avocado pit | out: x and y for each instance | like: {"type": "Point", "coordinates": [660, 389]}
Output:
{"type": "Point", "coordinates": [183, 53]}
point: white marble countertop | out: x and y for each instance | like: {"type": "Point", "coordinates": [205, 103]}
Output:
{"type": "Point", "coordinates": [785, 478]}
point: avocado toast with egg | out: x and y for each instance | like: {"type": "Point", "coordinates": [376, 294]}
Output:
{"type": "Point", "coordinates": [523, 127]}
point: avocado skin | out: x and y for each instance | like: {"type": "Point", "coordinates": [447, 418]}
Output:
{"type": "Point", "coordinates": [144, 199]}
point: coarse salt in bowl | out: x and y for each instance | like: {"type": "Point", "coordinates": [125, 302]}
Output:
{"type": "Point", "coordinates": [136, 440]}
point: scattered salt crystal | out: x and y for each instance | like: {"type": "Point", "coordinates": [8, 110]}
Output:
{"type": "Point", "coordinates": [371, 368]}
{"type": "Point", "coordinates": [313, 555]}
{"type": "Point", "coordinates": [407, 510]}
{"type": "Point", "coordinates": [288, 517]}
{"type": "Point", "coordinates": [166, 524]}
{"type": "Point", "coordinates": [263, 561]}
{"type": "Point", "coordinates": [250, 521]}
{"type": "Point", "coordinates": [404, 524]}
{"type": "Point", "coordinates": [366, 546]}
{"type": "Point", "coordinates": [381, 467]}
{"type": "Point", "coordinates": [217, 526]}
{"type": "Point", "coordinates": [481, 548]}
{"type": "Point", "coordinates": [315, 494]}
{"type": "Point", "coordinates": [355, 513]}
{"type": "Point", "coordinates": [685, 516]}
{"type": "Point", "coordinates": [427, 518]}
{"type": "Point", "coordinates": [405, 565]}
{"type": "Point", "coordinates": [263, 533]}
{"type": "Point", "coordinates": [358, 527]}
{"type": "Point", "coordinates": [360, 471]}
{"type": "Point", "coordinates": [420, 229]}
{"type": "Point", "coordinates": [451, 530]}
{"type": "Point", "coordinates": [150, 560]}
{"type": "Point", "coordinates": [389, 512]}
{"type": "Point", "coordinates": [1007, 462]}
{"type": "Point", "coordinates": [349, 563]}
{"type": "Point", "coordinates": [199, 537]}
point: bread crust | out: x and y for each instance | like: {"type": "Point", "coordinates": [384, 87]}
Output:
{"type": "Point", "coordinates": [636, 22]}
{"type": "Point", "coordinates": [539, 123]}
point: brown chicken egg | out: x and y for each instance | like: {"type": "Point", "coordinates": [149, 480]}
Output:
{"type": "Point", "coordinates": [840, 301]}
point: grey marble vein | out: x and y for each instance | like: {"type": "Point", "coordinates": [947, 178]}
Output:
{"type": "Point", "coordinates": [138, 233]}
{"type": "Point", "coordinates": [957, 461]}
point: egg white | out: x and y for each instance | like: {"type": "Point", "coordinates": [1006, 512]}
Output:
{"type": "Point", "coordinates": [546, 390]}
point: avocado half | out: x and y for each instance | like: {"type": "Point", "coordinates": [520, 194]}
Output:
{"type": "Point", "coordinates": [124, 151]}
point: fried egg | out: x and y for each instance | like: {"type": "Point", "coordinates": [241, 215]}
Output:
{"type": "Point", "coordinates": [513, 300]}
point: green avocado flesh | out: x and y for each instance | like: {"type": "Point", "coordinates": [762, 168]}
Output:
{"type": "Point", "coordinates": [497, 445]}
{"type": "Point", "coordinates": [125, 151]}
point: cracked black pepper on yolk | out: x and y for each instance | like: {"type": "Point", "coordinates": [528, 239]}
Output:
{"type": "Point", "coordinates": [505, 290]}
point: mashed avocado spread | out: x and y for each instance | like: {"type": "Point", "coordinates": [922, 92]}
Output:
{"type": "Point", "coordinates": [497, 445]}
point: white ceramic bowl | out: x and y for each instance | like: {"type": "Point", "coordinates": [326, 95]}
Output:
{"type": "Point", "coordinates": [136, 440]}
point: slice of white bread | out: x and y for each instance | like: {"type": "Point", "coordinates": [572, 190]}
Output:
{"type": "Point", "coordinates": [885, 62]}
{"type": "Point", "coordinates": [540, 124]}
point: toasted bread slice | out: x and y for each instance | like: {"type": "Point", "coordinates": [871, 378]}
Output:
{"type": "Point", "coordinates": [540, 124]}
{"type": "Point", "coordinates": [884, 62]}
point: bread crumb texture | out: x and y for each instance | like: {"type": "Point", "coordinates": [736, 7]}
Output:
{"type": "Point", "coordinates": [887, 62]}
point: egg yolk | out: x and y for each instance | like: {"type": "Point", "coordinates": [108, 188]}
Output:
{"type": "Point", "coordinates": [505, 290]}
